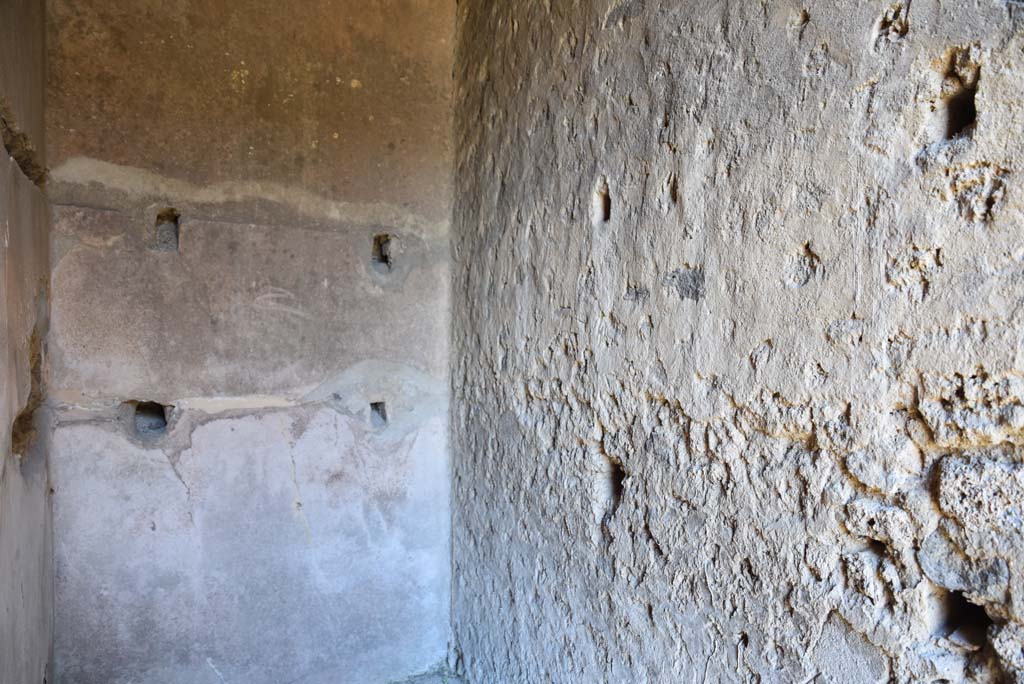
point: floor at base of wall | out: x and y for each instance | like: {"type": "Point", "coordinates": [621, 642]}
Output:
{"type": "Point", "coordinates": [435, 679]}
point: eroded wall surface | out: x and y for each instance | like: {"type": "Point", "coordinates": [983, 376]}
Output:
{"type": "Point", "coordinates": [251, 220]}
{"type": "Point", "coordinates": [26, 586]}
{"type": "Point", "coordinates": [737, 376]}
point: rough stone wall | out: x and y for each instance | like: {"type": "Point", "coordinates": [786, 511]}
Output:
{"type": "Point", "coordinates": [249, 339]}
{"type": "Point", "coordinates": [26, 597]}
{"type": "Point", "coordinates": [738, 393]}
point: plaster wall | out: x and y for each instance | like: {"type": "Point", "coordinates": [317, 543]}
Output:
{"type": "Point", "coordinates": [737, 342]}
{"type": "Point", "coordinates": [26, 584]}
{"type": "Point", "coordinates": [26, 596]}
{"type": "Point", "coordinates": [290, 523]}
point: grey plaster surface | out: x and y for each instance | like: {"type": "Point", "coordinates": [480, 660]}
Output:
{"type": "Point", "coordinates": [297, 545]}
{"type": "Point", "coordinates": [237, 310]}
{"type": "Point", "coordinates": [26, 568]}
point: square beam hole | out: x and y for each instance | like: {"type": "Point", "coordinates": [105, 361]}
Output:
{"type": "Point", "coordinates": [378, 414]}
{"type": "Point", "coordinates": [150, 419]}
{"type": "Point", "coordinates": [381, 256]}
{"type": "Point", "coordinates": [168, 229]}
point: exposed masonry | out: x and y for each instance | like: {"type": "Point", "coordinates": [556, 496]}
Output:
{"type": "Point", "coordinates": [760, 415]}
{"type": "Point", "coordinates": [19, 147]}
{"type": "Point", "coordinates": [24, 429]}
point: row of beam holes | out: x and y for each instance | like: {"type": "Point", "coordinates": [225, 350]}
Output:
{"type": "Point", "coordinates": [168, 231]}
{"type": "Point", "coordinates": [148, 415]}
{"type": "Point", "coordinates": [150, 418]}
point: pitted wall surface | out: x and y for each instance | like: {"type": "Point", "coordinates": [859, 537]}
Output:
{"type": "Point", "coordinates": [738, 393]}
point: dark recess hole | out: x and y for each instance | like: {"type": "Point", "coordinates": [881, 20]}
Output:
{"type": "Point", "coordinates": [150, 419]}
{"type": "Point", "coordinates": [961, 113]}
{"type": "Point", "coordinates": [615, 476]}
{"type": "Point", "coordinates": [965, 621]}
{"type": "Point", "coordinates": [878, 548]}
{"type": "Point", "coordinates": [606, 207]}
{"type": "Point", "coordinates": [382, 253]}
{"type": "Point", "coordinates": [601, 209]}
{"type": "Point", "coordinates": [168, 224]}
{"type": "Point", "coordinates": [618, 475]}
{"type": "Point", "coordinates": [378, 414]}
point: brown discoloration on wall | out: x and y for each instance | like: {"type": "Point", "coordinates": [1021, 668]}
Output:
{"type": "Point", "coordinates": [339, 98]}
{"type": "Point", "coordinates": [26, 570]}
{"type": "Point", "coordinates": [22, 68]}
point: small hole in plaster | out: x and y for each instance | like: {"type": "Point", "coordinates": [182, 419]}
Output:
{"type": "Point", "coordinates": [150, 419]}
{"type": "Point", "coordinates": [618, 475]}
{"type": "Point", "coordinates": [381, 257]}
{"type": "Point", "coordinates": [878, 548]}
{"type": "Point", "coordinates": [378, 414]}
{"type": "Point", "coordinates": [601, 204]}
{"type": "Point", "coordinates": [961, 113]}
{"type": "Point", "coordinates": [954, 113]}
{"type": "Point", "coordinates": [168, 225]}
{"type": "Point", "coordinates": [964, 622]}
{"type": "Point", "coordinates": [608, 486]}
